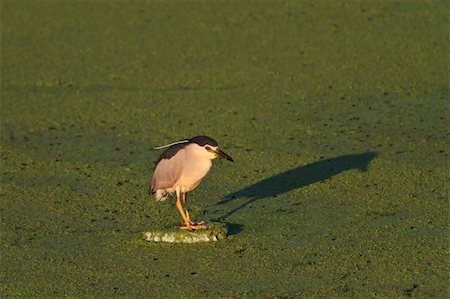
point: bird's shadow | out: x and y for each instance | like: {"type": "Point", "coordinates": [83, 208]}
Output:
{"type": "Point", "coordinates": [298, 177]}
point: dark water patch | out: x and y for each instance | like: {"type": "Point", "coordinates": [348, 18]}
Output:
{"type": "Point", "coordinates": [409, 291]}
{"type": "Point", "coordinates": [234, 228]}
{"type": "Point", "coordinates": [62, 87]}
{"type": "Point", "coordinates": [78, 144]}
{"type": "Point", "coordinates": [299, 177]}
{"type": "Point", "coordinates": [76, 184]}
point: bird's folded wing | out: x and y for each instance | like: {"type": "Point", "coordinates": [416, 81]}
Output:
{"type": "Point", "coordinates": [168, 171]}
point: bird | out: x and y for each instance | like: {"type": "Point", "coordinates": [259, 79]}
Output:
{"type": "Point", "coordinates": [181, 168]}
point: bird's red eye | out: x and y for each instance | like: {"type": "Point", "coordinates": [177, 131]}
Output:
{"type": "Point", "coordinates": [207, 148]}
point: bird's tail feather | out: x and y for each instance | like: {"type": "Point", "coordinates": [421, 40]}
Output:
{"type": "Point", "coordinates": [161, 195]}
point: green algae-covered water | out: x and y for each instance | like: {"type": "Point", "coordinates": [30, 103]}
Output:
{"type": "Point", "coordinates": [336, 113]}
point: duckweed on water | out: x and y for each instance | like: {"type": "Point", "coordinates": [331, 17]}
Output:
{"type": "Point", "coordinates": [336, 114]}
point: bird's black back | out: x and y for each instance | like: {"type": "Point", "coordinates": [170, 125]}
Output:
{"type": "Point", "coordinates": [173, 149]}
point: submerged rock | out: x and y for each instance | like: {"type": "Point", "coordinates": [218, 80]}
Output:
{"type": "Point", "coordinates": [214, 232]}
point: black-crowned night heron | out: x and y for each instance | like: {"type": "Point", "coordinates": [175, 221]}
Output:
{"type": "Point", "coordinates": [181, 168]}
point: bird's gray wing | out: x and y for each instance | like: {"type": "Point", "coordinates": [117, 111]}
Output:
{"type": "Point", "coordinates": [168, 171]}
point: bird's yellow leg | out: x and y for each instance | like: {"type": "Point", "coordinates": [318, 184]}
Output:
{"type": "Point", "coordinates": [183, 215]}
{"type": "Point", "coordinates": [186, 211]}
{"type": "Point", "coordinates": [188, 218]}
{"type": "Point", "coordinates": [199, 224]}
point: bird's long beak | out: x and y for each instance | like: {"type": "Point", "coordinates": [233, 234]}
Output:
{"type": "Point", "coordinates": [222, 155]}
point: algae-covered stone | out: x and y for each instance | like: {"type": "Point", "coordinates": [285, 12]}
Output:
{"type": "Point", "coordinates": [213, 232]}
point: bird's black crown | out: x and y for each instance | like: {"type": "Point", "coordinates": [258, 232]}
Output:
{"type": "Point", "coordinates": [203, 140]}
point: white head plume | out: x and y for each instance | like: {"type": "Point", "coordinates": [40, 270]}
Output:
{"type": "Point", "coordinates": [167, 145]}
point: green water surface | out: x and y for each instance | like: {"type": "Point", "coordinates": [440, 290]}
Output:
{"type": "Point", "coordinates": [336, 113]}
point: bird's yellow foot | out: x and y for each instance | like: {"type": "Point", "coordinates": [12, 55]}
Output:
{"type": "Point", "coordinates": [192, 222]}
{"type": "Point", "coordinates": [192, 226]}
